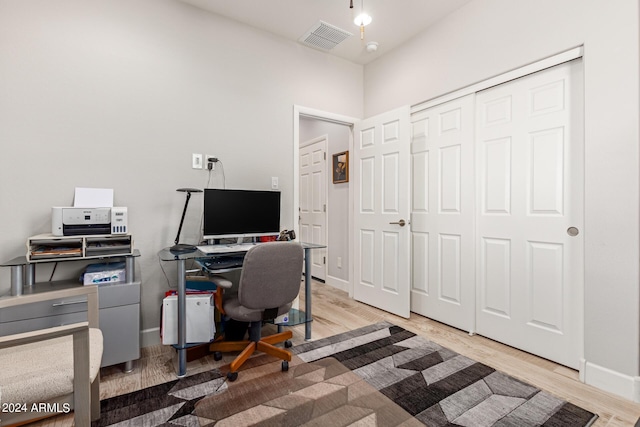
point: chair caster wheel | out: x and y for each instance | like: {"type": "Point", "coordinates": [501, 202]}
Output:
{"type": "Point", "coordinates": [285, 366]}
{"type": "Point", "coordinates": [287, 344]}
{"type": "Point", "coordinates": [217, 355]}
{"type": "Point", "coordinates": [232, 376]}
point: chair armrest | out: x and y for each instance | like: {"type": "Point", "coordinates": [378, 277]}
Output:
{"type": "Point", "coordinates": [221, 281]}
{"type": "Point", "coordinates": [91, 291]}
{"type": "Point", "coordinates": [42, 334]}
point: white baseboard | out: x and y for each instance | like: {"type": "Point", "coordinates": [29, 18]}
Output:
{"type": "Point", "coordinates": [610, 381]}
{"type": "Point", "coordinates": [338, 283]}
{"type": "Point", "coordinates": [149, 337]}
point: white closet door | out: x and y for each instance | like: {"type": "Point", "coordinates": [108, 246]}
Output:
{"type": "Point", "coordinates": [442, 213]}
{"type": "Point", "coordinates": [530, 186]}
{"type": "Point", "coordinates": [380, 182]}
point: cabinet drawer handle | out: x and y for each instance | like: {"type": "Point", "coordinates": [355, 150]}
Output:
{"type": "Point", "coordinates": [60, 304]}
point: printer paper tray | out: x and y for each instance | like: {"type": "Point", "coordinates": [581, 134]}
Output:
{"type": "Point", "coordinates": [56, 254]}
{"type": "Point", "coordinates": [109, 250]}
{"type": "Point", "coordinates": [43, 247]}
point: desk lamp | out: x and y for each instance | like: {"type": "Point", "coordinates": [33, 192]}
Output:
{"type": "Point", "coordinates": [180, 248]}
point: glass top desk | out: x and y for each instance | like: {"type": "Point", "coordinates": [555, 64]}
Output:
{"type": "Point", "coordinates": [167, 255]}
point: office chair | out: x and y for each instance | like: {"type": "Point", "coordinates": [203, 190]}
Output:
{"type": "Point", "coordinates": [269, 282]}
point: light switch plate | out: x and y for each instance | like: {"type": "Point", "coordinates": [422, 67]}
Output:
{"type": "Point", "coordinates": [196, 161]}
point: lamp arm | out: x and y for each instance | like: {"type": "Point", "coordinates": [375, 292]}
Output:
{"type": "Point", "coordinates": [183, 215]}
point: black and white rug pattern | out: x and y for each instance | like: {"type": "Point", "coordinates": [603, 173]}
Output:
{"type": "Point", "coordinates": [438, 386]}
{"type": "Point", "coordinates": [168, 404]}
{"type": "Point", "coordinates": [434, 384]}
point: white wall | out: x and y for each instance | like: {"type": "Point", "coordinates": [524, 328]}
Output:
{"type": "Point", "coordinates": [119, 93]}
{"type": "Point", "coordinates": [338, 197]}
{"type": "Point", "coordinates": [490, 37]}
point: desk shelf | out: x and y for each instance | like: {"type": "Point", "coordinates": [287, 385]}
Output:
{"type": "Point", "coordinates": [47, 247]}
{"type": "Point", "coordinates": [296, 317]}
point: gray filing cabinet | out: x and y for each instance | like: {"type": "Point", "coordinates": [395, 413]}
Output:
{"type": "Point", "coordinates": [119, 310]}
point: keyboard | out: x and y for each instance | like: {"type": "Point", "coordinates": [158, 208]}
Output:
{"type": "Point", "coordinates": [223, 262]}
{"type": "Point", "coordinates": [225, 249]}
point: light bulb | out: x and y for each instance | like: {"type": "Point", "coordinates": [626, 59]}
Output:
{"type": "Point", "coordinates": [362, 19]}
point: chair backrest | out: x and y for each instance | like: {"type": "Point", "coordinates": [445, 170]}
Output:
{"type": "Point", "coordinates": [271, 275]}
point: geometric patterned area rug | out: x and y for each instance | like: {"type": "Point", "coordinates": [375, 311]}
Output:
{"type": "Point", "coordinates": [438, 386]}
{"type": "Point", "coordinates": [168, 404]}
{"type": "Point", "coordinates": [380, 375]}
{"type": "Point", "coordinates": [321, 393]}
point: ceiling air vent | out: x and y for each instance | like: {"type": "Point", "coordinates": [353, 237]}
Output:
{"type": "Point", "coordinates": [324, 36]}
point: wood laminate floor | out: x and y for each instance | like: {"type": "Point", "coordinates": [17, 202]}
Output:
{"type": "Point", "coordinates": [334, 312]}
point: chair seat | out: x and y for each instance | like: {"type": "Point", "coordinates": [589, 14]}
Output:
{"type": "Point", "coordinates": [237, 312]}
{"type": "Point", "coordinates": [26, 369]}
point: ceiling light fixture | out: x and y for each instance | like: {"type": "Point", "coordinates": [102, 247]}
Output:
{"type": "Point", "coordinates": [361, 20]}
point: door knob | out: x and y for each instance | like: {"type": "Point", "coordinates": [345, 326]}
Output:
{"type": "Point", "coordinates": [573, 231]}
{"type": "Point", "coordinates": [401, 223]}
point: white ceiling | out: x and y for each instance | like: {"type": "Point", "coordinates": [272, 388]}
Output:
{"type": "Point", "coordinates": [394, 21]}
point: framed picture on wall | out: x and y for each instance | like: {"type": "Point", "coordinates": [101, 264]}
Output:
{"type": "Point", "coordinates": [341, 167]}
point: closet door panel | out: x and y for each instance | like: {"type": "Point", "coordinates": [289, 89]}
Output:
{"type": "Point", "coordinates": [530, 162]}
{"type": "Point", "coordinates": [442, 213]}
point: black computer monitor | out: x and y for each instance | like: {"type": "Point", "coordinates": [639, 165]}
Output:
{"type": "Point", "coordinates": [240, 213]}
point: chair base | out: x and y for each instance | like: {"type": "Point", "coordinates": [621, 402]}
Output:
{"type": "Point", "coordinates": [247, 348]}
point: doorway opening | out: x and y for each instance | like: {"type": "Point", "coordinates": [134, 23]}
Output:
{"type": "Point", "coordinates": [323, 208]}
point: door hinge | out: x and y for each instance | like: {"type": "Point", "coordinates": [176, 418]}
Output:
{"type": "Point", "coordinates": [324, 259]}
{"type": "Point", "coordinates": [324, 208]}
{"type": "Point", "coordinates": [325, 155]}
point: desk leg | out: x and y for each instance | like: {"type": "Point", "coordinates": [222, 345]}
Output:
{"type": "Point", "coordinates": [29, 274]}
{"type": "Point", "coordinates": [182, 323]}
{"type": "Point", "coordinates": [307, 294]}
{"type": "Point", "coordinates": [129, 269]}
{"type": "Point", "coordinates": [17, 280]}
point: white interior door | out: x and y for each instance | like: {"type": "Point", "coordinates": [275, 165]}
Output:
{"type": "Point", "coordinates": [313, 201]}
{"type": "Point", "coordinates": [530, 190]}
{"type": "Point", "coordinates": [380, 182]}
{"type": "Point", "coordinates": [442, 213]}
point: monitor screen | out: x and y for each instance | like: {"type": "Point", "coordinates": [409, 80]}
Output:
{"type": "Point", "coordinates": [240, 213]}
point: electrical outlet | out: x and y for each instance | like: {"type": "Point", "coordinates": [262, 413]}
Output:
{"type": "Point", "coordinates": [196, 161]}
{"type": "Point", "coordinates": [274, 182]}
{"type": "Point", "coordinates": [206, 160]}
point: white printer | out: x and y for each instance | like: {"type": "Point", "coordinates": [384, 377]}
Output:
{"type": "Point", "coordinates": [72, 221]}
